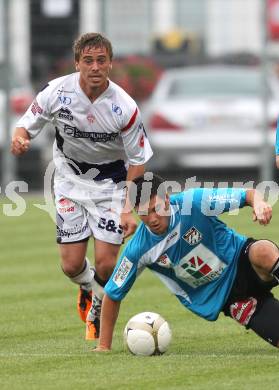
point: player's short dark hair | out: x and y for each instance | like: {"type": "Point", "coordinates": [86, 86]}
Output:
{"type": "Point", "coordinates": [147, 186]}
{"type": "Point", "coordinates": [91, 40]}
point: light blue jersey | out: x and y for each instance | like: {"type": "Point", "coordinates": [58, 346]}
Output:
{"type": "Point", "coordinates": [277, 140]}
{"type": "Point", "coordinates": [196, 258]}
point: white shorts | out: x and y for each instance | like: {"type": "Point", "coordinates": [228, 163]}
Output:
{"type": "Point", "coordinates": [88, 209]}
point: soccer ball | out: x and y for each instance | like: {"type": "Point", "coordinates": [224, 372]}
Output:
{"type": "Point", "coordinates": [147, 334]}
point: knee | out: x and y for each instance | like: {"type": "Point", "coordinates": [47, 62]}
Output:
{"type": "Point", "coordinates": [71, 266]}
{"type": "Point", "coordinates": [264, 254]}
{"type": "Point", "coordinates": [72, 258]}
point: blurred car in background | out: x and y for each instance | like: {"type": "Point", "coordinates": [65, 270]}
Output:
{"type": "Point", "coordinates": [210, 117]}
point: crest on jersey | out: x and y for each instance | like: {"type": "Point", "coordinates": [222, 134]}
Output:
{"type": "Point", "coordinates": [115, 108]}
{"type": "Point", "coordinates": [35, 108]}
{"type": "Point", "coordinates": [90, 117]}
{"type": "Point", "coordinates": [164, 261]}
{"type": "Point", "coordinates": [193, 236]}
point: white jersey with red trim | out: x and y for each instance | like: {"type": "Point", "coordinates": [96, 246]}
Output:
{"type": "Point", "coordinates": [102, 132]}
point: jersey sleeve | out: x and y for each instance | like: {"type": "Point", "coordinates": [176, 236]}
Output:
{"type": "Point", "coordinates": [277, 140]}
{"type": "Point", "coordinates": [213, 201]}
{"type": "Point", "coordinates": [219, 200]}
{"type": "Point", "coordinates": [37, 115]}
{"type": "Point", "coordinates": [135, 141]}
{"type": "Point", "coordinates": [124, 274]}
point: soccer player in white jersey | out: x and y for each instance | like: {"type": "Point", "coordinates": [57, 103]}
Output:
{"type": "Point", "coordinates": [209, 267]}
{"type": "Point", "coordinates": [100, 144]}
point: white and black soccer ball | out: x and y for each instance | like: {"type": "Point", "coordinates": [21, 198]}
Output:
{"type": "Point", "coordinates": [147, 334]}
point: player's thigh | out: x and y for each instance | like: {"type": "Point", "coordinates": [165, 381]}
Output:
{"type": "Point", "coordinates": [108, 236]}
{"type": "Point", "coordinates": [104, 221]}
{"type": "Point", "coordinates": [105, 258]}
{"type": "Point", "coordinates": [73, 232]}
{"type": "Point", "coordinates": [104, 213]}
{"type": "Point", "coordinates": [72, 257]}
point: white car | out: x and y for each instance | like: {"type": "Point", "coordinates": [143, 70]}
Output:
{"type": "Point", "coordinates": [210, 117]}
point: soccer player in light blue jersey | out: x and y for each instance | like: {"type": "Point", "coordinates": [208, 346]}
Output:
{"type": "Point", "coordinates": [208, 266]}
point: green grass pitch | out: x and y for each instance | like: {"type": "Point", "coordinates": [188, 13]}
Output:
{"type": "Point", "coordinates": [42, 342]}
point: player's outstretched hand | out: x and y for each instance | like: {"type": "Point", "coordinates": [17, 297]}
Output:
{"type": "Point", "coordinates": [19, 145]}
{"type": "Point", "coordinates": [129, 224]}
{"type": "Point", "coordinates": [262, 212]}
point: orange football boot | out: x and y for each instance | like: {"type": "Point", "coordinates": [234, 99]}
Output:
{"type": "Point", "coordinates": [92, 330]}
{"type": "Point", "coordinates": [84, 303]}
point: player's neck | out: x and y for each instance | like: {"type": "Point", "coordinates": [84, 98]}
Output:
{"type": "Point", "coordinates": [93, 92]}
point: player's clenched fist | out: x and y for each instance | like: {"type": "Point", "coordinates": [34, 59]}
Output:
{"type": "Point", "coordinates": [19, 145]}
{"type": "Point", "coordinates": [262, 212]}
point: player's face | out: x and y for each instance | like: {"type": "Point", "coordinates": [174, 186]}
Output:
{"type": "Point", "coordinates": [94, 66]}
{"type": "Point", "coordinates": [155, 214]}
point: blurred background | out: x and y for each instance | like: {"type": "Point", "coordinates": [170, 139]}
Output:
{"type": "Point", "coordinates": [205, 74]}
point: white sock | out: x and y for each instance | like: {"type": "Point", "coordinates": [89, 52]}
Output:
{"type": "Point", "coordinates": [85, 277]}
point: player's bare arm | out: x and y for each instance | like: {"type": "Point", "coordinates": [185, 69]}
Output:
{"type": "Point", "coordinates": [109, 314]}
{"type": "Point", "coordinates": [277, 161]}
{"type": "Point", "coordinates": [128, 221]}
{"type": "Point", "coordinates": [20, 141]}
{"type": "Point", "coordinates": [262, 211]}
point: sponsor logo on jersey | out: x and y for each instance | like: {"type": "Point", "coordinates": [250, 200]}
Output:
{"type": "Point", "coordinates": [200, 266]}
{"type": "Point", "coordinates": [220, 197]}
{"type": "Point", "coordinates": [171, 236]}
{"type": "Point", "coordinates": [65, 100]}
{"type": "Point", "coordinates": [122, 271]}
{"type": "Point", "coordinates": [115, 108]}
{"type": "Point", "coordinates": [65, 113]}
{"type": "Point", "coordinates": [224, 198]}
{"type": "Point", "coordinates": [92, 135]}
{"type": "Point", "coordinates": [62, 90]}
{"type": "Point", "coordinates": [90, 117]}
{"type": "Point", "coordinates": [164, 261]}
{"type": "Point", "coordinates": [192, 236]}
{"type": "Point", "coordinates": [35, 108]}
